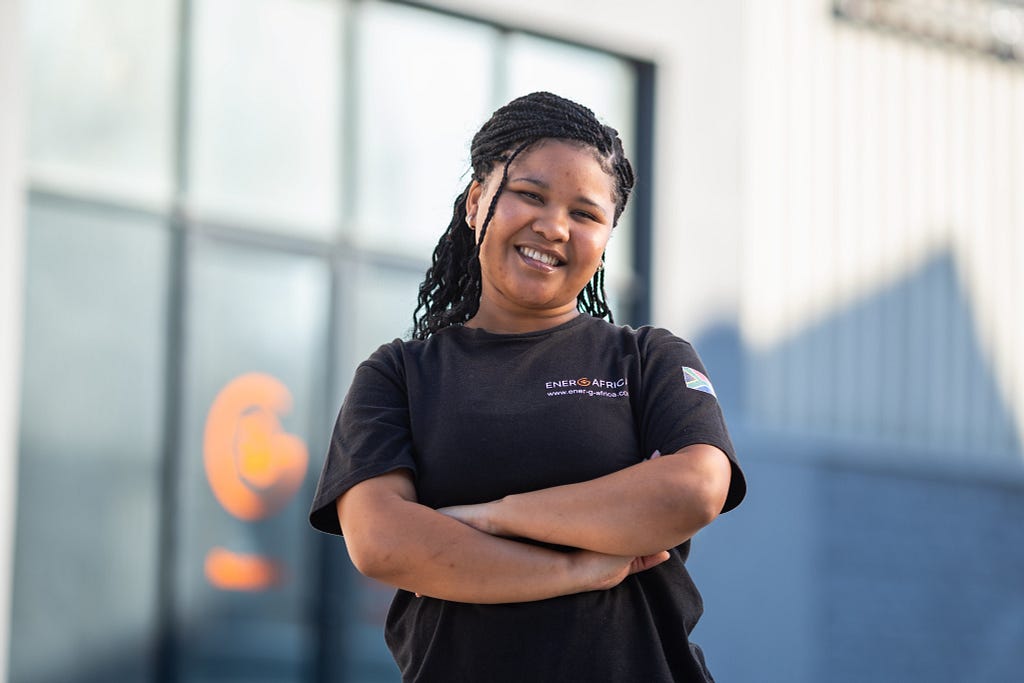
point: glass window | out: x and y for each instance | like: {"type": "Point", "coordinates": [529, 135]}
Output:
{"type": "Point", "coordinates": [266, 113]}
{"type": "Point", "coordinates": [100, 93]}
{"type": "Point", "coordinates": [424, 88]}
{"type": "Point", "coordinates": [601, 81]}
{"type": "Point", "coordinates": [91, 438]}
{"type": "Point", "coordinates": [346, 125]}
{"type": "Point", "coordinates": [255, 384]}
{"type": "Point", "coordinates": [376, 307]}
{"type": "Point", "coordinates": [381, 300]}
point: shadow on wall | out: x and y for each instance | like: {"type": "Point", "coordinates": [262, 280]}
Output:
{"type": "Point", "coordinates": [903, 365]}
{"type": "Point", "coordinates": [844, 564]}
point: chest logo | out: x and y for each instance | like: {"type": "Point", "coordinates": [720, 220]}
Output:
{"type": "Point", "coordinates": [589, 386]}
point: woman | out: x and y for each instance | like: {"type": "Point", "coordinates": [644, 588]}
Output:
{"type": "Point", "coordinates": [503, 469]}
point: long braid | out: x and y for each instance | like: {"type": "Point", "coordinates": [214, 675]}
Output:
{"type": "Point", "coordinates": [453, 270]}
{"type": "Point", "coordinates": [450, 292]}
{"type": "Point", "coordinates": [592, 299]}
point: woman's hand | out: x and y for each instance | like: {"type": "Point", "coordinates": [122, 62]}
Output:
{"type": "Point", "coordinates": [601, 571]}
{"type": "Point", "coordinates": [608, 571]}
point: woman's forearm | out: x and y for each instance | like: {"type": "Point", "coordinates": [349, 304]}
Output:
{"type": "Point", "coordinates": [410, 546]}
{"type": "Point", "coordinates": [639, 510]}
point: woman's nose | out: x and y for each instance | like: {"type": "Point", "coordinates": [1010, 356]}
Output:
{"type": "Point", "coordinates": [553, 226]}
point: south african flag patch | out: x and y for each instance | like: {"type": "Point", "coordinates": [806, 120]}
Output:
{"type": "Point", "coordinates": [697, 380]}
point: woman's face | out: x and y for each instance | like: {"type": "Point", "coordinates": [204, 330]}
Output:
{"type": "Point", "coordinates": [545, 240]}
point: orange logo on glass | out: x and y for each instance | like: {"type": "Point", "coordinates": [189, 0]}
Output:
{"type": "Point", "coordinates": [254, 468]}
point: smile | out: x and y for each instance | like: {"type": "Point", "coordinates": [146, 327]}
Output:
{"type": "Point", "coordinates": [546, 259]}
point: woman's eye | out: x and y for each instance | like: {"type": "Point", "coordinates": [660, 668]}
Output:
{"type": "Point", "coordinates": [587, 216]}
{"type": "Point", "coordinates": [529, 195]}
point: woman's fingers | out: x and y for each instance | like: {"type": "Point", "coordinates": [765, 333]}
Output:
{"type": "Point", "coordinates": [645, 562]}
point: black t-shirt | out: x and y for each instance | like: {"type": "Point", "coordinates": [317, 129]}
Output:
{"type": "Point", "coordinates": [477, 416]}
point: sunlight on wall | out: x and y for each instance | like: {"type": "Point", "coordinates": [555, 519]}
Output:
{"type": "Point", "coordinates": [871, 154]}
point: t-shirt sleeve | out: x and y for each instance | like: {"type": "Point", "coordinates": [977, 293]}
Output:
{"type": "Point", "coordinates": [371, 435]}
{"type": "Point", "coordinates": [678, 406]}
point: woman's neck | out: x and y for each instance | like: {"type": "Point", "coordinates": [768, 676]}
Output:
{"type": "Point", "coordinates": [508, 322]}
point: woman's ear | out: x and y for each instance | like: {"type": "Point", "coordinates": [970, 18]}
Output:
{"type": "Point", "coordinates": [473, 203]}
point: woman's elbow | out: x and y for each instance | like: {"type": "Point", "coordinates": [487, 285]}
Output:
{"type": "Point", "coordinates": [370, 515]}
{"type": "Point", "coordinates": [707, 486]}
{"type": "Point", "coordinates": [370, 557]}
{"type": "Point", "coordinates": [711, 497]}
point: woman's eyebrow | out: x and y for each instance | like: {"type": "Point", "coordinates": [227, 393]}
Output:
{"type": "Point", "coordinates": [527, 179]}
{"type": "Point", "coordinates": [544, 186]}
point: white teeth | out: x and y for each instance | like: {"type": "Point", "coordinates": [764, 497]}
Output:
{"type": "Point", "coordinates": [537, 256]}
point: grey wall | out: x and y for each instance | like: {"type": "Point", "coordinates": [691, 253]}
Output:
{"type": "Point", "coordinates": [881, 536]}
{"type": "Point", "coordinates": [838, 572]}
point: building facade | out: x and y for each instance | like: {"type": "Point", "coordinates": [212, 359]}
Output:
{"type": "Point", "coordinates": [215, 208]}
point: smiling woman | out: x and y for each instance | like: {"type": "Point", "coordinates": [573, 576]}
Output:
{"type": "Point", "coordinates": [451, 292]}
{"type": "Point", "coordinates": [512, 517]}
{"type": "Point", "coordinates": [546, 239]}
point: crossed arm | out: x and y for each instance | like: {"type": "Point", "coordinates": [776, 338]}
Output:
{"type": "Point", "coordinates": [620, 523]}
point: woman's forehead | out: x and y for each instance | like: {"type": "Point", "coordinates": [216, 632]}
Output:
{"type": "Point", "coordinates": [550, 154]}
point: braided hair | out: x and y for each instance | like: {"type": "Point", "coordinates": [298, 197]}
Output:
{"type": "Point", "coordinates": [450, 292]}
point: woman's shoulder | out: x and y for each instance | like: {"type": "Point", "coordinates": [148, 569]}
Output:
{"type": "Point", "coordinates": [387, 352]}
{"type": "Point", "coordinates": [395, 352]}
{"type": "Point", "coordinates": [645, 336]}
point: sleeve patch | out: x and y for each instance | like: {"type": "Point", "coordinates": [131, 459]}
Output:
{"type": "Point", "coordinates": [697, 380]}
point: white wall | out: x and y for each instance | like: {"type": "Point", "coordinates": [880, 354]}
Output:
{"type": "Point", "coordinates": [11, 257]}
{"type": "Point", "coordinates": [698, 48]}
{"type": "Point", "coordinates": [883, 233]}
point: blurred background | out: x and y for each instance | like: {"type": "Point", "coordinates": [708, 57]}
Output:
{"type": "Point", "coordinates": [212, 210]}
